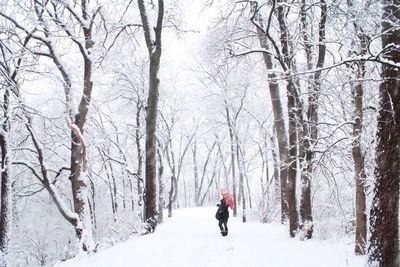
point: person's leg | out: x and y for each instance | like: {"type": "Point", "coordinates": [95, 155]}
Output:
{"type": "Point", "coordinates": [220, 226]}
{"type": "Point", "coordinates": [226, 226]}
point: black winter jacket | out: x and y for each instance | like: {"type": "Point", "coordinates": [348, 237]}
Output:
{"type": "Point", "coordinates": [222, 212]}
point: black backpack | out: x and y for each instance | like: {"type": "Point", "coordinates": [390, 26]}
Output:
{"type": "Point", "coordinates": [218, 214]}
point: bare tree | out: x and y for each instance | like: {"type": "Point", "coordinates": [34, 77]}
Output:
{"type": "Point", "coordinates": [309, 130]}
{"type": "Point", "coordinates": [9, 84]}
{"type": "Point", "coordinates": [232, 152]}
{"type": "Point", "coordinates": [135, 84]}
{"type": "Point", "coordinates": [54, 18]}
{"type": "Point", "coordinates": [358, 155]}
{"type": "Point", "coordinates": [154, 49]}
{"type": "Point", "coordinates": [161, 185]}
{"type": "Point", "coordinates": [196, 174]}
{"type": "Point", "coordinates": [280, 125]}
{"type": "Point", "coordinates": [285, 58]}
{"type": "Point", "coordinates": [383, 247]}
{"type": "Point", "coordinates": [6, 179]}
{"type": "Point", "coordinates": [201, 196]}
{"type": "Point", "coordinates": [175, 160]}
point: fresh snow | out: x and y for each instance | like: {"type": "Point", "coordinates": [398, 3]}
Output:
{"type": "Point", "coordinates": [191, 238]}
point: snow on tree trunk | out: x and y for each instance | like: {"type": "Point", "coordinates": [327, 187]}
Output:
{"type": "Point", "coordinates": [309, 128]}
{"type": "Point", "coordinates": [80, 187]}
{"type": "Point", "coordinates": [72, 217]}
{"type": "Point", "coordinates": [6, 183]}
{"type": "Point", "coordinates": [292, 108]}
{"type": "Point", "coordinates": [277, 109]}
{"type": "Point", "coordinates": [154, 49]}
{"type": "Point", "coordinates": [358, 156]}
{"type": "Point", "coordinates": [292, 168]}
{"type": "Point", "coordinates": [383, 247]}
{"type": "Point", "coordinates": [361, 217]}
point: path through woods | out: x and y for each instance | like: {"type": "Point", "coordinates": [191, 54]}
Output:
{"type": "Point", "coordinates": [192, 239]}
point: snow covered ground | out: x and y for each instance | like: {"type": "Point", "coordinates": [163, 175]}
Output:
{"type": "Point", "coordinates": [191, 238]}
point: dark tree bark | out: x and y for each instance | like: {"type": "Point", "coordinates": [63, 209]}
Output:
{"type": "Point", "coordinates": [383, 247]}
{"type": "Point", "coordinates": [79, 160]}
{"type": "Point", "coordinates": [358, 157]}
{"type": "Point", "coordinates": [309, 131]}
{"type": "Point", "coordinates": [43, 176]}
{"type": "Point", "coordinates": [292, 168]}
{"type": "Point", "coordinates": [154, 49]}
{"type": "Point", "coordinates": [279, 122]}
{"type": "Point", "coordinates": [11, 87]}
{"type": "Point", "coordinates": [359, 171]}
{"type": "Point", "coordinates": [293, 109]}
{"type": "Point", "coordinates": [75, 120]}
{"type": "Point", "coordinates": [6, 180]}
{"type": "Point", "coordinates": [139, 155]}
{"type": "Point", "coordinates": [45, 16]}
{"type": "Point", "coordinates": [161, 186]}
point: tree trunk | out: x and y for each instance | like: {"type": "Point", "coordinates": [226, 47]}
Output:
{"type": "Point", "coordinates": [279, 121]}
{"type": "Point", "coordinates": [264, 203]}
{"type": "Point", "coordinates": [150, 177]}
{"type": "Point", "coordinates": [232, 142]}
{"type": "Point", "coordinates": [196, 176]}
{"type": "Point", "coordinates": [72, 217]}
{"type": "Point", "coordinates": [358, 157]}
{"type": "Point", "coordinates": [6, 182]}
{"type": "Point", "coordinates": [242, 197]}
{"type": "Point", "coordinates": [292, 171]}
{"type": "Point", "coordinates": [92, 205]}
{"type": "Point", "coordinates": [76, 123]}
{"type": "Point", "coordinates": [111, 187]}
{"type": "Point", "coordinates": [359, 172]}
{"type": "Point", "coordinates": [79, 164]}
{"type": "Point", "coordinates": [161, 187]}
{"type": "Point", "coordinates": [206, 192]}
{"type": "Point", "coordinates": [80, 188]}
{"type": "Point", "coordinates": [292, 106]}
{"type": "Point", "coordinates": [309, 130]}
{"type": "Point", "coordinates": [383, 247]}
{"type": "Point", "coordinates": [204, 174]}
{"type": "Point", "coordinates": [226, 179]}
{"type": "Point", "coordinates": [140, 158]}
{"type": "Point", "coordinates": [275, 160]}
{"type": "Point", "coordinates": [172, 195]}
{"type": "Point", "coordinates": [154, 50]}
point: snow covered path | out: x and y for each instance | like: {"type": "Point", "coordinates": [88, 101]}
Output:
{"type": "Point", "coordinates": [191, 238]}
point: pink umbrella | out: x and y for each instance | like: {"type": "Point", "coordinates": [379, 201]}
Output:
{"type": "Point", "coordinates": [227, 197]}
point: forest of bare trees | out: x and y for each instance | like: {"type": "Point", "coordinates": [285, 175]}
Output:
{"type": "Point", "coordinates": [112, 111]}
